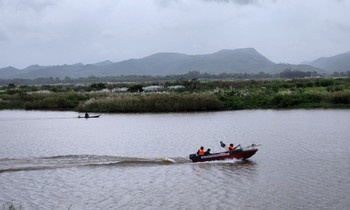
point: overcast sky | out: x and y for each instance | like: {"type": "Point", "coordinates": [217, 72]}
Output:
{"type": "Point", "coordinates": [56, 32]}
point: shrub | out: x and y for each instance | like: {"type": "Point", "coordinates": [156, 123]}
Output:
{"type": "Point", "coordinates": [136, 88]}
{"type": "Point", "coordinates": [154, 103]}
{"type": "Point", "coordinates": [340, 97]}
{"type": "Point", "coordinates": [295, 100]}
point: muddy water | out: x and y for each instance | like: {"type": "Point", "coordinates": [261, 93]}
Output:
{"type": "Point", "coordinates": [53, 160]}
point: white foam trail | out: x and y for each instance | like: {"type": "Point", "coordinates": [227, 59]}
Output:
{"type": "Point", "coordinates": [169, 160]}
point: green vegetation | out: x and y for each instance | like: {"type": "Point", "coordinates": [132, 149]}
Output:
{"type": "Point", "coordinates": [181, 95]}
{"type": "Point", "coordinates": [153, 103]}
{"type": "Point", "coordinates": [286, 74]}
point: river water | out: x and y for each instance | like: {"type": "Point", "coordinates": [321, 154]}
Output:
{"type": "Point", "coordinates": [53, 160]}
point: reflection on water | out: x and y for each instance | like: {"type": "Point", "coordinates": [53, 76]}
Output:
{"type": "Point", "coordinates": [227, 166]}
{"type": "Point", "coordinates": [53, 160]}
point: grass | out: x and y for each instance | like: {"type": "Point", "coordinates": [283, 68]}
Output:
{"type": "Point", "coordinates": [153, 103]}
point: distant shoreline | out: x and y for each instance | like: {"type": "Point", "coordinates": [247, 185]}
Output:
{"type": "Point", "coordinates": [180, 96]}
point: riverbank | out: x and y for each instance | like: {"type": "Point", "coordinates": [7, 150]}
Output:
{"type": "Point", "coordinates": [181, 95]}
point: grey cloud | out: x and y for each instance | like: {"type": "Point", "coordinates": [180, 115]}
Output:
{"type": "Point", "coordinates": [241, 2]}
{"type": "Point", "coordinates": [36, 5]}
{"type": "Point", "coordinates": [165, 3]}
{"type": "Point", "coordinates": [3, 37]}
{"type": "Point", "coordinates": [338, 26]}
{"type": "Point", "coordinates": [50, 32]}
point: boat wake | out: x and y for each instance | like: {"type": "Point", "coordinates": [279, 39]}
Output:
{"type": "Point", "coordinates": [75, 161]}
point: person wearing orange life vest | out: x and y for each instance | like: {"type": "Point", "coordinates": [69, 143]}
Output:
{"type": "Point", "coordinates": [200, 151]}
{"type": "Point", "coordinates": [230, 148]}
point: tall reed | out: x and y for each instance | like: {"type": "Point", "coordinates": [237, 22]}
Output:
{"type": "Point", "coordinates": [153, 103]}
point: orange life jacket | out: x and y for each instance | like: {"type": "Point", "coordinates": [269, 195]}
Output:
{"type": "Point", "coordinates": [230, 148]}
{"type": "Point", "coordinates": [200, 152]}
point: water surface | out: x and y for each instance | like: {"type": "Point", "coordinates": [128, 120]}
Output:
{"type": "Point", "coordinates": [53, 160]}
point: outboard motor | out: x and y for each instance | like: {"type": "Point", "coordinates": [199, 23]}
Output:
{"type": "Point", "coordinates": [192, 156]}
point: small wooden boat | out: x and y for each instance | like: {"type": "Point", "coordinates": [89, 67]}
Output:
{"type": "Point", "coordinates": [242, 153]}
{"type": "Point", "coordinates": [90, 116]}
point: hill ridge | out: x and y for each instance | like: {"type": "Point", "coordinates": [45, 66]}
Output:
{"type": "Point", "coordinates": [241, 60]}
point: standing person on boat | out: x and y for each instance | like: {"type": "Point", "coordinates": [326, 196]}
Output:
{"type": "Point", "coordinates": [223, 145]}
{"type": "Point", "coordinates": [207, 152]}
{"type": "Point", "coordinates": [86, 115]}
{"type": "Point", "coordinates": [200, 151]}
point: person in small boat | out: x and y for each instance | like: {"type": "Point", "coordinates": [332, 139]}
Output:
{"type": "Point", "coordinates": [207, 152]}
{"type": "Point", "coordinates": [200, 151]}
{"type": "Point", "coordinates": [230, 148]}
{"type": "Point", "coordinates": [86, 115]}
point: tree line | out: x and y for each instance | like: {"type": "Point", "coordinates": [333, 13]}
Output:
{"type": "Point", "coordinates": [286, 74]}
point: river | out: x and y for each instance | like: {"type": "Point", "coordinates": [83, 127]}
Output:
{"type": "Point", "coordinates": [53, 160]}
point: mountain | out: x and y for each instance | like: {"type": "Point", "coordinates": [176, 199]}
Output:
{"type": "Point", "coordinates": [339, 63]}
{"type": "Point", "coordinates": [103, 63]}
{"type": "Point", "coordinates": [8, 72]}
{"type": "Point", "coordinates": [230, 61]}
{"type": "Point", "coordinates": [33, 68]}
{"type": "Point", "coordinates": [246, 60]}
{"type": "Point", "coordinates": [301, 67]}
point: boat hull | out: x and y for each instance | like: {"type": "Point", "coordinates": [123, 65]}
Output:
{"type": "Point", "coordinates": [236, 154]}
{"type": "Point", "coordinates": [93, 116]}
